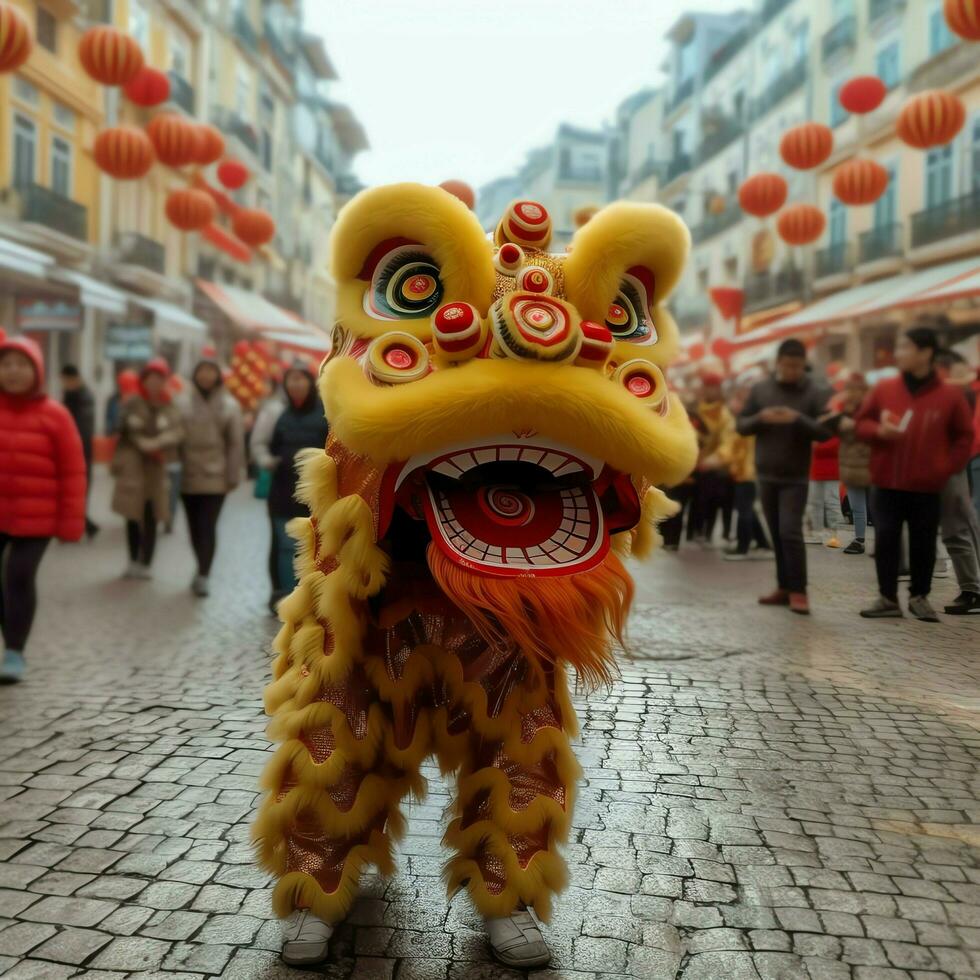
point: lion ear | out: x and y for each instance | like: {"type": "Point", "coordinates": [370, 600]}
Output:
{"type": "Point", "coordinates": [619, 239]}
{"type": "Point", "coordinates": [427, 216]}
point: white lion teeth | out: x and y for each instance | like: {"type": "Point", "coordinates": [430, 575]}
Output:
{"type": "Point", "coordinates": [556, 463]}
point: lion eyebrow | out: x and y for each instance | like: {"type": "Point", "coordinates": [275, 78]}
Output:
{"type": "Point", "coordinates": [379, 252]}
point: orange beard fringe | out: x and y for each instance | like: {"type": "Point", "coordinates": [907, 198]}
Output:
{"type": "Point", "coordinates": [553, 619]}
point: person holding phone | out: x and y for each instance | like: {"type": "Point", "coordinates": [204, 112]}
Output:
{"type": "Point", "coordinates": [921, 433]}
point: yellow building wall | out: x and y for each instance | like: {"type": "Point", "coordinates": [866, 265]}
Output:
{"type": "Point", "coordinates": [59, 78]}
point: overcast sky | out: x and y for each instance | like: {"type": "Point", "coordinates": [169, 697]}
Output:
{"type": "Point", "coordinates": [464, 88]}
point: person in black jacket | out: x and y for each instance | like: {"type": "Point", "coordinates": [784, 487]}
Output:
{"type": "Point", "coordinates": [81, 406]}
{"type": "Point", "coordinates": [782, 412]}
{"type": "Point", "coordinates": [301, 425]}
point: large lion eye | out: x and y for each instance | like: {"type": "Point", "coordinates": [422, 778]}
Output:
{"type": "Point", "coordinates": [405, 285]}
{"type": "Point", "coordinates": [629, 314]}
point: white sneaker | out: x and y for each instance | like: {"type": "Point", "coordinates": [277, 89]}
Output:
{"type": "Point", "coordinates": [516, 940]}
{"type": "Point", "coordinates": [200, 586]}
{"type": "Point", "coordinates": [305, 939]}
{"type": "Point", "coordinates": [137, 570]}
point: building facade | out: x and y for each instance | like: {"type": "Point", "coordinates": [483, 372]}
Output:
{"type": "Point", "coordinates": [91, 266]}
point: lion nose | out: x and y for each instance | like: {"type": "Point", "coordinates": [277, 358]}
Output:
{"type": "Point", "coordinates": [535, 327]}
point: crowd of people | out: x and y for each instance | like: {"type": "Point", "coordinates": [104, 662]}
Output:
{"type": "Point", "coordinates": [814, 458]}
{"type": "Point", "coordinates": [174, 445]}
{"type": "Point", "coordinates": [902, 456]}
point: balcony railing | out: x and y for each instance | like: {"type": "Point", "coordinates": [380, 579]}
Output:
{"type": "Point", "coordinates": [244, 30]}
{"type": "Point", "coordinates": [833, 260]}
{"type": "Point", "coordinates": [43, 206]}
{"type": "Point", "coordinates": [232, 124]}
{"type": "Point", "coordinates": [136, 249]}
{"type": "Point", "coordinates": [841, 36]}
{"type": "Point", "coordinates": [772, 7]}
{"type": "Point", "coordinates": [714, 224]}
{"type": "Point", "coordinates": [726, 52]}
{"type": "Point", "coordinates": [944, 67]}
{"type": "Point", "coordinates": [727, 131]}
{"type": "Point", "coordinates": [181, 92]}
{"type": "Point", "coordinates": [881, 242]}
{"type": "Point", "coordinates": [958, 216]}
{"type": "Point", "coordinates": [770, 289]}
{"type": "Point", "coordinates": [281, 51]}
{"type": "Point", "coordinates": [680, 164]}
{"type": "Point", "coordinates": [781, 87]}
{"type": "Point", "coordinates": [683, 91]}
{"type": "Point", "coordinates": [878, 9]}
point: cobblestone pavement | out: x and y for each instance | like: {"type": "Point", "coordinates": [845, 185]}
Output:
{"type": "Point", "coordinates": [764, 796]}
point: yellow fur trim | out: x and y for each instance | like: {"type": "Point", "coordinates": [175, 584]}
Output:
{"type": "Point", "coordinates": [297, 890]}
{"type": "Point", "coordinates": [657, 506]}
{"type": "Point", "coordinates": [442, 225]}
{"type": "Point", "coordinates": [620, 236]}
{"type": "Point", "coordinates": [317, 487]}
{"type": "Point", "coordinates": [576, 406]}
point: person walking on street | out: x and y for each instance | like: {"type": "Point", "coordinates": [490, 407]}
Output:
{"type": "Point", "coordinates": [300, 425]}
{"type": "Point", "coordinates": [212, 456]}
{"type": "Point", "coordinates": [854, 456]}
{"type": "Point", "coordinates": [712, 479]}
{"type": "Point", "coordinates": [150, 432]}
{"type": "Point", "coordinates": [921, 433]}
{"type": "Point", "coordinates": [958, 522]}
{"type": "Point", "coordinates": [781, 412]}
{"type": "Point", "coordinates": [81, 405]}
{"type": "Point", "coordinates": [739, 452]}
{"type": "Point", "coordinates": [42, 490]}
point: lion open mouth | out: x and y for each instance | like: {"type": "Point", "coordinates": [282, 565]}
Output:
{"type": "Point", "coordinates": [516, 505]}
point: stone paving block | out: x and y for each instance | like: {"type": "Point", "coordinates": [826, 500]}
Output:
{"type": "Point", "coordinates": [70, 911]}
{"type": "Point", "coordinates": [133, 954]}
{"type": "Point", "coordinates": [72, 945]}
{"type": "Point", "coordinates": [21, 937]}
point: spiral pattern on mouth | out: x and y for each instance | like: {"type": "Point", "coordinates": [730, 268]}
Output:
{"type": "Point", "coordinates": [506, 505]}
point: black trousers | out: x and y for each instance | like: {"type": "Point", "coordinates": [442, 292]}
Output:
{"type": "Point", "coordinates": [749, 527]}
{"type": "Point", "coordinates": [920, 511]}
{"type": "Point", "coordinates": [783, 504]}
{"type": "Point", "coordinates": [203, 510]}
{"type": "Point", "coordinates": [141, 536]}
{"type": "Point", "coordinates": [714, 490]}
{"type": "Point", "coordinates": [671, 528]}
{"type": "Point", "coordinates": [19, 562]}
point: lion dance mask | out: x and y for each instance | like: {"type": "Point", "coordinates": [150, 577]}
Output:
{"type": "Point", "coordinates": [499, 423]}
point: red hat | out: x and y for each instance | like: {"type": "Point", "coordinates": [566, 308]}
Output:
{"type": "Point", "coordinates": [156, 365]}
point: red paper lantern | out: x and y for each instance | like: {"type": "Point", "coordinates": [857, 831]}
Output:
{"type": "Point", "coordinates": [148, 87]}
{"type": "Point", "coordinates": [863, 94]}
{"type": "Point", "coordinates": [16, 38]}
{"type": "Point", "coordinates": [123, 152]}
{"type": "Point", "coordinates": [190, 210]}
{"type": "Point", "coordinates": [254, 227]}
{"type": "Point", "coordinates": [174, 139]}
{"type": "Point", "coordinates": [460, 189]}
{"type": "Point", "coordinates": [930, 119]}
{"type": "Point", "coordinates": [807, 145]}
{"type": "Point", "coordinates": [109, 56]}
{"type": "Point", "coordinates": [210, 145]}
{"type": "Point", "coordinates": [232, 174]}
{"type": "Point", "coordinates": [763, 194]}
{"type": "Point", "coordinates": [963, 17]}
{"type": "Point", "coordinates": [801, 224]}
{"type": "Point", "coordinates": [860, 181]}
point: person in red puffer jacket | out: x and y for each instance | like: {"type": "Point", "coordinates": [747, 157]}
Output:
{"type": "Point", "coordinates": [42, 490]}
{"type": "Point", "coordinates": [824, 498]}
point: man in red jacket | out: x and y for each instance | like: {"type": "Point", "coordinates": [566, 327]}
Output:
{"type": "Point", "coordinates": [42, 490]}
{"type": "Point", "coordinates": [921, 433]}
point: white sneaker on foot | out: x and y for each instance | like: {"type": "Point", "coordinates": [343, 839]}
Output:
{"type": "Point", "coordinates": [305, 939]}
{"type": "Point", "coordinates": [516, 940]}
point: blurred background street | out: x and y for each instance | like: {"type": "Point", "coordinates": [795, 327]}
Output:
{"type": "Point", "coordinates": [764, 796]}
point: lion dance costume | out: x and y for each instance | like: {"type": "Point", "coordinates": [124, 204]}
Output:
{"type": "Point", "coordinates": [499, 419]}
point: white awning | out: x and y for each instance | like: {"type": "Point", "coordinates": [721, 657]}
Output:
{"type": "Point", "coordinates": [169, 316]}
{"type": "Point", "coordinates": [93, 293]}
{"type": "Point", "coordinates": [250, 310]}
{"type": "Point", "coordinates": [23, 260]}
{"type": "Point", "coordinates": [304, 341]}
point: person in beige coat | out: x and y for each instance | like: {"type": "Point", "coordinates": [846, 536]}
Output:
{"type": "Point", "coordinates": [150, 430]}
{"type": "Point", "coordinates": [212, 457]}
